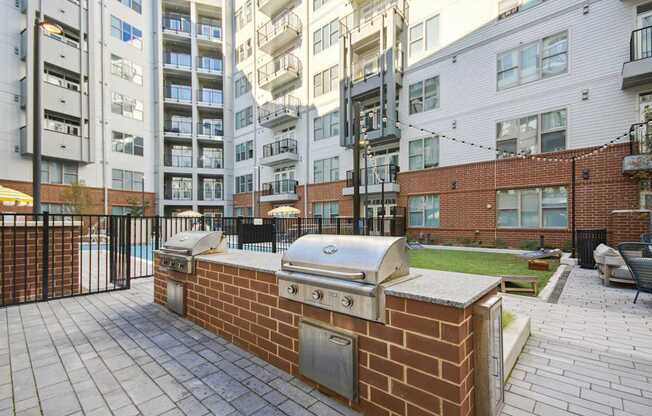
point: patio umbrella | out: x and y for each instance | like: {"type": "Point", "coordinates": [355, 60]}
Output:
{"type": "Point", "coordinates": [189, 214]}
{"type": "Point", "coordinates": [11, 197]}
{"type": "Point", "coordinates": [284, 211]}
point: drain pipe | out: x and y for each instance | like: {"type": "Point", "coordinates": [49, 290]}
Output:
{"type": "Point", "coordinates": [103, 108]}
{"type": "Point", "coordinates": [307, 113]}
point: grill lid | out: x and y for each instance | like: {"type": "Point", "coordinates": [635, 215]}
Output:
{"type": "Point", "coordinates": [362, 258]}
{"type": "Point", "coordinates": [193, 243]}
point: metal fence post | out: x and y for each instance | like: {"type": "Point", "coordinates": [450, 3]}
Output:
{"type": "Point", "coordinates": [238, 231]}
{"type": "Point", "coordinates": [319, 225]}
{"type": "Point", "coordinates": [128, 251]}
{"type": "Point", "coordinates": [45, 255]}
{"type": "Point", "coordinates": [299, 226]}
{"type": "Point", "coordinates": [274, 235]}
{"type": "Point", "coordinates": [157, 232]}
{"type": "Point", "coordinates": [337, 225]}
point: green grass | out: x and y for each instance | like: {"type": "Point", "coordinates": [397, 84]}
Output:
{"type": "Point", "coordinates": [490, 264]}
{"type": "Point", "coordinates": [508, 318]}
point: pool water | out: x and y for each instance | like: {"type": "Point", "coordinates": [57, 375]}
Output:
{"type": "Point", "coordinates": [143, 251]}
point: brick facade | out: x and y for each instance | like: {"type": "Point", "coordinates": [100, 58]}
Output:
{"type": "Point", "coordinates": [54, 194]}
{"type": "Point", "coordinates": [22, 261]}
{"type": "Point", "coordinates": [419, 363]}
{"type": "Point", "coordinates": [627, 225]}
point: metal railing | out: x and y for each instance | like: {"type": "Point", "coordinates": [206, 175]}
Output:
{"type": "Point", "coordinates": [283, 186]}
{"type": "Point", "coordinates": [210, 162]}
{"type": "Point", "coordinates": [178, 93]}
{"type": "Point", "coordinates": [372, 9]}
{"type": "Point", "coordinates": [210, 64]}
{"type": "Point", "coordinates": [178, 60]}
{"type": "Point", "coordinates": [375, 175]}
{"type": "Point", "coordinates": [178, 161]}
{"type": "Point", "coordinates": [640, 44]}
{"type": "Point", "coordinates": [210, 96]}
{"type": "Point", "coordinates": [286, 104]}
{"type": "Point", "coordinates": [371, 66]}
{"type": "Point", "coordinates": [277, 66]}
{"type": "Point", "coordinates": [177, 193]}
{"type": "Point", "coordinates": [210, 129]}
{"type": "Point", "coordinates": [271, 29]}
{"type": "Point", "coordinates": [178, 126]}
{"type": "Point", "coordinates": [208, 31]}
{"type": "Point", "coordinates": [177, 24]}
{"type": "Point", "coordinates": [211, 192]}
{"type": "Point", "coordinates": [280, 147]}
{"type": "Point", "coordinates": [640, 138]}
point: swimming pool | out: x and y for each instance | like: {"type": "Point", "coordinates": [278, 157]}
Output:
{"type": "Point", "coordinates": [143, 251]}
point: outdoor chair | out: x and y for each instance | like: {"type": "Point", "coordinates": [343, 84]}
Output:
{"type": "Point", "coordinates": [646, 238]}
{"type": "Point", "coordinates": [638, 259]}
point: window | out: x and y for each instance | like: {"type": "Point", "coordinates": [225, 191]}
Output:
{"type": "Point", "coordinates": [126, 69]}
{"type": "Point", "coordinates": [424, 95]}
{"type": "Point", "coordinates": [243, 15]}
{"type": "Point", "coordinates": [423, 211]}
{"type": "Point", "coordinates": [533, 134]}
{"type": "Point", "coordinates": [432, 32]}
{"type": "Point", "coordinates": [127, 180]}
{"type": "Point", "coordinates": [327, 125]}
{"type": "Point", "coordinates": [325, 37]}
{"type": "Point", "coordinates": [424, 153]}
{"type": "Point", "coordinates": [326, 81]}
{"type": "Point", "coordinates": [126, 33]}
{"type": "Point", "coordinates": [242, 85]}
{"type": "Point", "coordinates": [56, 172]}
{"type": "Point", "coordinates": [244, 151]}
{"type": "Point", "coordinates": [534, 61]}
{"type": "Point", "coordinates": [532, 208]}
{"type": "Point", "coordinates": [244, 118]}
{"type": "Point", "coordinates": [420, 41]}
{"type": "Point", "coordinates": [123, 210]}
{"type": "Point", "coordinates": [60, 78]}
{"type": "Point", "coordinates": [243, 212]}
{"type": "Point", "coordinates": [244, 51]}
{"type": "Point", "coordinates": [125, 106]}
{"type": "Point", "coordinates": [127, 143]}
{"type": "Point", "coordinates": [326, 170]}
{"type": "Point", "coordinates": [135, 5]}
{"type": "Point", "coordinates": [61, 123]}
{"type": "Point", "coordinates": [244, 183]}
{"type": "Point", "coordinates": [416, 39]}
{"type": "Point", "coordinates": [329, 209]}
{"type": "Point", "coordinates": [507, 8]}
{"type": "Point", "coordinates": [55, 208]}
{"type": "Point", "coordinates": [316, 4]}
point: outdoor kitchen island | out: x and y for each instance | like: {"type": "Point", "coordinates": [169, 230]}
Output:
{"type": "Point", "coordinates": [419, 361]}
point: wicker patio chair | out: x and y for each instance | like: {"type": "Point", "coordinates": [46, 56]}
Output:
{"type": "Point", "coordinates": [638, 259]}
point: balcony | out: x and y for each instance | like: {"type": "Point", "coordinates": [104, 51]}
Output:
{"type": "Point", "coordinates": [176, 160]}
{"type": "Point", "coordinates": [178, 191]}
{"type": "Point", "coordinates": [211, 190]}
{"type": "Point", "coordinates": [638, 70]}
{"type": "Point", "coordinates": [210, 131]}
{"type": "Point", "coordinates": [210, 98]}
{"type": "Point", "coordinates": [284, 190]}
{"type": "Point", "coordinates": [279, 111]}
{"type": "Point", "coordinates": [209, 66]}
{"type": "Point", "coordinates": [279, 32]}
{"type": "Point", "coordinates": [177, 128]}
{"type": "Point", "coordinates": [383, 178]}
{"type": "Point", "coordinates": [272, 7]}
{"type": "Point", "coordinates": [279, 71]}
{"type": "Point", "coordinates": [177, 26]}
{"type": "Point", "coordinates": [640, 146]}
{"type": "Point", "coordinates": [210, 161]}
{"type": "Point", "coordinates": [376, 129]}
{"type": "Point", "coordinates": [59, 144]}
{"type": "Point", "coordinates": [177, 62]}
{"type": "Point", "coordinates": [180, 95]}
{"type": "Point", "coordinates": [209, 33]}
{"type": "Point", "coordinates": [365, 18]}
{"type": "Point", "coordinates": [281, 151]}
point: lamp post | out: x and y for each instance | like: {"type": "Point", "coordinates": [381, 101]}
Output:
{"type": "Point", "coordinates": [36, 134]}
{"type": "Point", "coordinates": [356, 168]}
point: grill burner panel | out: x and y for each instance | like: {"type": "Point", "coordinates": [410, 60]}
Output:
{"type": "Point", "coordinates": [178, 252]}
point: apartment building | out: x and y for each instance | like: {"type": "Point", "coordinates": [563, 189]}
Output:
{"type": "Point", "coordinates": [544, 79]}
{"type": "Point", "coordinates": [94, 81]}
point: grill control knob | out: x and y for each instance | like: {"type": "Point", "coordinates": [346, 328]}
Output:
{"type": "Point", "coordinates": [292, 289]}
{"type": "Point", "coordinates": [347, 301]}
{"type": "Point", "coordinates": [316, 294]}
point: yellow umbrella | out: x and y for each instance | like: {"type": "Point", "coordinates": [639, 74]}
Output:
{"type": "Point", "coordinates": [11, 197]}
{"type": "Point", "coordinates": [284, 211]}
{"type": "Point", "coordinates": [189, 214]}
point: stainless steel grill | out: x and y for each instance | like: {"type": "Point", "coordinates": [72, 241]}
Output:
{"type": "Point", "coordinates": [178, 252]}
{"type": "Point", "coordinates": [343, 273]}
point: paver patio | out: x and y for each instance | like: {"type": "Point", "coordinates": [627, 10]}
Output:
{"type": "Point", "coordinates": [118, 353]}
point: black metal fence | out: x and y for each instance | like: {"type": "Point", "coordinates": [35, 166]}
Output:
{"type": "Point", "coordinates": [640, 44]}
{"type": "Point", "coordinates": [587, 241]}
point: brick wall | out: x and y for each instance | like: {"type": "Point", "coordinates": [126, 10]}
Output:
{"type": "Point", "coordinates": [420, 363]}
{"type": "Point", "coordinates": [627, 226]}
{"type": "Point", "coordinates": [21, 261]}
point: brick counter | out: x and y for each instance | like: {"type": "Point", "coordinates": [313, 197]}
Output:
{"type": "Point", "coordinates": [419, 363]}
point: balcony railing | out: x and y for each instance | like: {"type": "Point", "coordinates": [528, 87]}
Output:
{"type": "Point", "coordinates": [178, 126]}
{"type": "Point", "coordinates": [180, 192]}
{"type": "Point", "coordinates": [209, 96]}
{"type": "Point", "coordinates": [280, 147]}
{"type": "Point", "coordinates": [210, 162]}
{"type": "Point", "coordinates": [283, 105]}
{"type": "Point", "coordinates": [177, 24]}
{"type": "Point", "coordinates": [370, 66]}
{"type": "Point", "coordinates": [273, 28]}
{"type": "Point", "coordinates": [278, 66]}
{"type": "Point", "coordinates": [211, 191]}
{"type": "Point", "coordinates": [210, 129]}
{"type": "Point", "coordinates": [178, 161]}
{"type": "Point", "coordinates": [284, 186]}
{"type": "Point", "coordinates": [208, 31]}
{"type": "Point", "coordinates": [178, 93]}
{"type": "Point", "coordinates": [375, 175]}
{"type": "Point", "coordinates": [372, 8]}
{"type": "Point", "coordinates": [640, 44]}
{"type": "Point", "coordinates": [210, 64]}
{"type": "Point", "coordinates": [640, 138]}
{"type": "Point", "coordinates": [178, 60]}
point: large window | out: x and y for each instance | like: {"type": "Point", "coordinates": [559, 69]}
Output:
{"type": "Point", "coordinates": [127, 143]}
{"type": "Point", "coordinates": [243, 212]}
{"type": "Point", "coordinates": [542, 59]}
{"type": "Point", "coordinates": [126, 33]}
{"type": "Point", "coordinates": [532, 134]}
{"type": "Point", "coordinates": [423, 211]}
{"type": "Point", "coordinates": [326, 170]}
{"type": "Point", "coordinates": [136, 5]}
{"type": "Point", "coordinates": [532, 208]}
{"type": "Point", "coordinates": [56, 172]}
{"type": "Point", "coordinates": [127, 180]}
{"type": "Point", "coordinates": [325, 37]}
{"type": "Point", "coordinates": [244, 118]}
{"type": "Point", "coordinates": [61, 123]}
{"type": "Point", "coordinates": [424, 95]}
{"type": "Point", "coordinates": [243, 51]}
{"type": "Point", "coordinates": [242, 85]}
{"type": "Point", "coordinates": [424, 36]}
{"type": "Point", "coordinates": [329, 209]}
{"type": "Point", "coordinates": [59, 77]}
{"type": "Point", "coordinates": [126, 106]}
{"type": "Point", "coordinates": [327, 125]}
{"type": "Point", "coordinates": [424, 153]}
{"type": "Point", "coordinates": [126, 69]}
{"type": "Point", "coordinates": [325, 81]}
{"type": "Point", "coordinates": [316, 4]}
{"type": "Point", "coordinates": [244, 183]}
{"type": "Point", "coordinates": [243, 15]}
{"type": "Point", "coordinates": [244, 151]}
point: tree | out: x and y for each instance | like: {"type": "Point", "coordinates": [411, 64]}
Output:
{"type": "Point", "coordinates": [77, 198]}
{"type": "Point", "coordinates": [137, 206]}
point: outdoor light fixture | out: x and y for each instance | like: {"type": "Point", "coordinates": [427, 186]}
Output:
{"type": "Point", "coordinates": [586, 173]}
{"type": "Point", "coordinates": [51, 28]}
{"type": "Point", "coordinates": [454, 185]}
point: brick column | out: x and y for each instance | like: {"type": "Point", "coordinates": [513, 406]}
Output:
{"type": "Point", "coordinates": [627, 226]}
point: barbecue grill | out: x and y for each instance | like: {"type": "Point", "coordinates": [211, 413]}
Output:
{"type": "Point", "coordinates": [344, 274]}
{"type": "Point", "coordinates": [178, 252]}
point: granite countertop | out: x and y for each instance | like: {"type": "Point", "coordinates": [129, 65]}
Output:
{"type": "Point", "coordinates": [458, 290]}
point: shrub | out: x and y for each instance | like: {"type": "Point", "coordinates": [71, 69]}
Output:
{"type": "Point", "coordinates": [501, 243]}
{"type": "Point", "coordinates": [530, 245]}
{"type": "Point", "coordinates": [567, 246]}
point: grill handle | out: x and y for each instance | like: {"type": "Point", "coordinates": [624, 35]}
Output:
{"type": "Point", "coordinates": [324, 272]}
